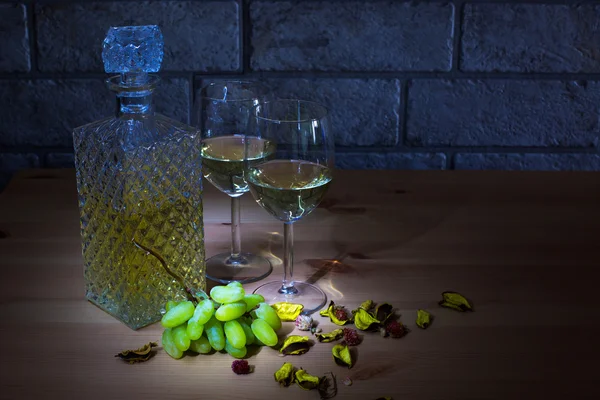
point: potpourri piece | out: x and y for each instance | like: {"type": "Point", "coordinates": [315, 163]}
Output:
{"type": "Point", "coordinates": [455, 301]}
{"type": "Point", "coordinates": [142, 354]}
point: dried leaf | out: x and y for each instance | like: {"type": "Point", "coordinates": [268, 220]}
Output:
{"type": "Point", "coordinates": [331, 336]}
{"type": "Point", "coordinates": [423, 319]}
{"type": "Point", "coordinates": [458, 301]}
{"type": "Point", "coordinates": [341, 355]}
{"type": "Point", "coordinates": [367, 305]}
{"type": "Point", "coordinates": [142, 354]}
{"type": "Point", "coordinates": [334, 313]}
{"type": "Point", "coordinates": [305, 380]}
{"type": "Point", "coordinates": [364, 320]}
{"type": "Point", "coordinates": [285, 375]}
{"type": "Point", "coordinates": [287, 311]}
{"type": "Point", "coordinates": [383, 312]}
{"type": "Point", "coordinates": [295, 345]}
{"type": "Point", "coordinates": [326, 389]}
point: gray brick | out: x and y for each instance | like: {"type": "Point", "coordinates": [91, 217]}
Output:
{"type": "Point", "coordinates": [419, 161]}
{"type": "Point", "coordinates": [503, 113]}
{"type": "Point", "coordinates": [351, 36]}
{"type": "Point", "coordinates": [60, 160]}
{"type": "Point", "coordinates": [531, 162]}
{"type": "Point", "coordinates": [199, 35]}
{"type": "Point", "coordinates": [48, 110]}
{"type": "Point", "coordinates": [14, 40]}
{"type": "Point", "coordinates": [363, 112]}
{"type": "Point", "coordinates": [531, 37]}
{"type": "Point", "coordinates": [12, 162]}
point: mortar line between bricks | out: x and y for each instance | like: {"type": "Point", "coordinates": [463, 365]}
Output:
{"type": "Point", "coordinates": [32, 36]}
{"type": "Point", "coordinates": [245, 32]}
{"type": "Point", "coordinates": [457, 35]}
{"type": "Point", "coordinates": [403, 111]}
{"type": "Point", "coordinates": [323, 75]}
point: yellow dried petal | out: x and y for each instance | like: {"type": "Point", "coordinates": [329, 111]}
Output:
{"type": "Point", "coordinates": [142, 354]}
{"type": "Point", "coordinates": [330, 312]}
{"type": "Point", "coordinates": [423, 319]}
{"type": "Point", "coordinates": [305, 380]}
{"type": "Point", "coordinates": [366, 305]}
{"type": "Point", "coordinates": [382, 312]}
{"type": "Point", "coordinates": [285, 375]}
{"type": "Point", "coordinates": [331, 336]}
{"type": "Point", "coordinates": [341, 355]}
{"type": "Point", "coordinates": [457, 299]}
{"type": "Point", "coordinates": [288, 311]}
{"type": "Point", "coordinates": [364, 321]}
{"type": "Point", "coordinates": [295, 345]}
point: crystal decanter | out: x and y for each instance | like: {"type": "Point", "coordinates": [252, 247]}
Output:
{"type": "Point", "coordinates": [140, 191]}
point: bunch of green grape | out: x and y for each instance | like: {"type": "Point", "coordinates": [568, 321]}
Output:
{"type": "Point", "coordinates": [230, 320]}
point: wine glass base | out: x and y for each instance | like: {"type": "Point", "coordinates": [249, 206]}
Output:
{"type": "Point", "coordinates": [245, 269]}
{"type": "Point", "coordinates": [310, 296]}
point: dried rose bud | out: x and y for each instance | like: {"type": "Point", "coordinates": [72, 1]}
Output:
{"type": "Point", "coordinates": [240, 367]}
{"type": "Point", "coordinates": [340, 313]}
{"type": "Point", "coordinates": [304, 322]}
{"type": "Point", "coordinates": [351, 337]}
{"type": "Point", "coordinates": [395, 329]}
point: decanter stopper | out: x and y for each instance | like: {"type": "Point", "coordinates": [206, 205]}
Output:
{"type": "Point", "coordinates": [133, 51]}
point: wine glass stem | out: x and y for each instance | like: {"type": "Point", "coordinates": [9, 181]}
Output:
{"type": "Point", "coordinates": [288, 259]}
{"type": "Point", "coordinates": [236, 246]}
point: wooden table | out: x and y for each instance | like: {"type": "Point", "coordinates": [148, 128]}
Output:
{"type": "Point", "coordinates": [524, 247]}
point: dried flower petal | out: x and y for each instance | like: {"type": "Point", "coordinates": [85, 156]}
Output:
{"type": "Point", "coordinates": [285, 375]}
{"type": "Point", "coordinates": [351, 337]}
{"type": "Point", "coordinates": [142, 354]}
{"type": "Point", "coordinates": [395, 329]}
{"type": "Point", "coordinates": [288, 311]}
{"type": "Point", "coordinates": [423, 319]}
{"type": "Point", "coordinates": [295, 345]}
{"type": "Point", "coordinates": [336, 334]}
{"type": "Point", "coordinates": [241, 367]}
{"type": "Point", "coordinates": [337, 314]}
{"type": "Point", "coordinates": [326, 389]}
{"type": "Point", "coordinates": [382, 312]}
{"type": "Point", "coordinates": [364, 320]}
{"type": "Point", "coordinates": [367, 305]}
{"type": "Point", "coordinates": [347, 381]}
{"type": "Point", "coordinates": [304, 322]}
{"type": "Point", "coordinates": [341, 355]}
{"type": "Point", "coordinates": [455, 301]}
{"type": "Point", "coordinates": [305, 380]}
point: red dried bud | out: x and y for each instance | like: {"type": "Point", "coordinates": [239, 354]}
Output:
{"type": "Point", "coordinates": [351, 337]}
{"type": "Point", "coordinates": [240, 367]}
{"type": "Point", "coordinates": [395, 329]}
{"type": "Point", "coordinates": [341, 314]}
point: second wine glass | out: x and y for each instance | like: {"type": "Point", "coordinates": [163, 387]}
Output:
{"type": "Point", "coordinates": [222, 113]}
{"type": "Point", "coordinates": [292, 183]}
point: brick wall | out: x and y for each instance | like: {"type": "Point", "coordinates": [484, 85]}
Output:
{"type": "Point", "coordinates": [412, 85]}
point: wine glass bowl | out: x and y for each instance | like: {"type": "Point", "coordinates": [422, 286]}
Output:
{"type": "Point", "coordinates": [222, 112]}
{"type": "Point", "coordinates": [290, 183]}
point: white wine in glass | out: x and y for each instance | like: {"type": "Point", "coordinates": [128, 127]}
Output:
{"type": "Point", "coordinates": [291, 183]}
{"type": "Point", "coordinates": [222, 111]}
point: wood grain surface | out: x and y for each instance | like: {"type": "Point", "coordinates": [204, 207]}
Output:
{"type": "Point", "coordinates": [524, 247]}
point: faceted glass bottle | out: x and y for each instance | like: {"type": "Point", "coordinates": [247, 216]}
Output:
{"type": "Point", "coordinates": [139, 182]}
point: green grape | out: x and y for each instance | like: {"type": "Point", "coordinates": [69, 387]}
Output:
{"type": "Point", "coordinates": [252, 300]}
{"type": "Point", "coordinates": [235, 334]}
{"type": "Point", "coordinates": [227, 294]}
{"type": "Point", "coordinates": [215, 334]}
{"type": "Point", "coordinates": [235, 352]}
{"type": "Point", "coordinates": [171, 304]}
{"type": "Point", "coordinates": [247, 330]}
{"type": "Point", "coordinates": [268, 313]}
{"type": "Point", "coordinates": [180, 337]}
{"type": "Point", "coordinates": [178, 314]}
{"type": "Point", "coordinates": [235, 284]}
{"type": "Point", "coordinates": [263, 332]}
{"type": "Point", "coordinates": [231, 311]}
{"type": "Point", "coordinates": [169, 345]}
{"type": "Point", "coordinates": [194, 329]}
{"type": "Point", "coordinates": [201, 345]}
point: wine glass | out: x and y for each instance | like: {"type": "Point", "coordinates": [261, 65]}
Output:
{"type": "Point", "coordinates": [292, 183]}
{"type": "Point", "coordinates": [222, 113]}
